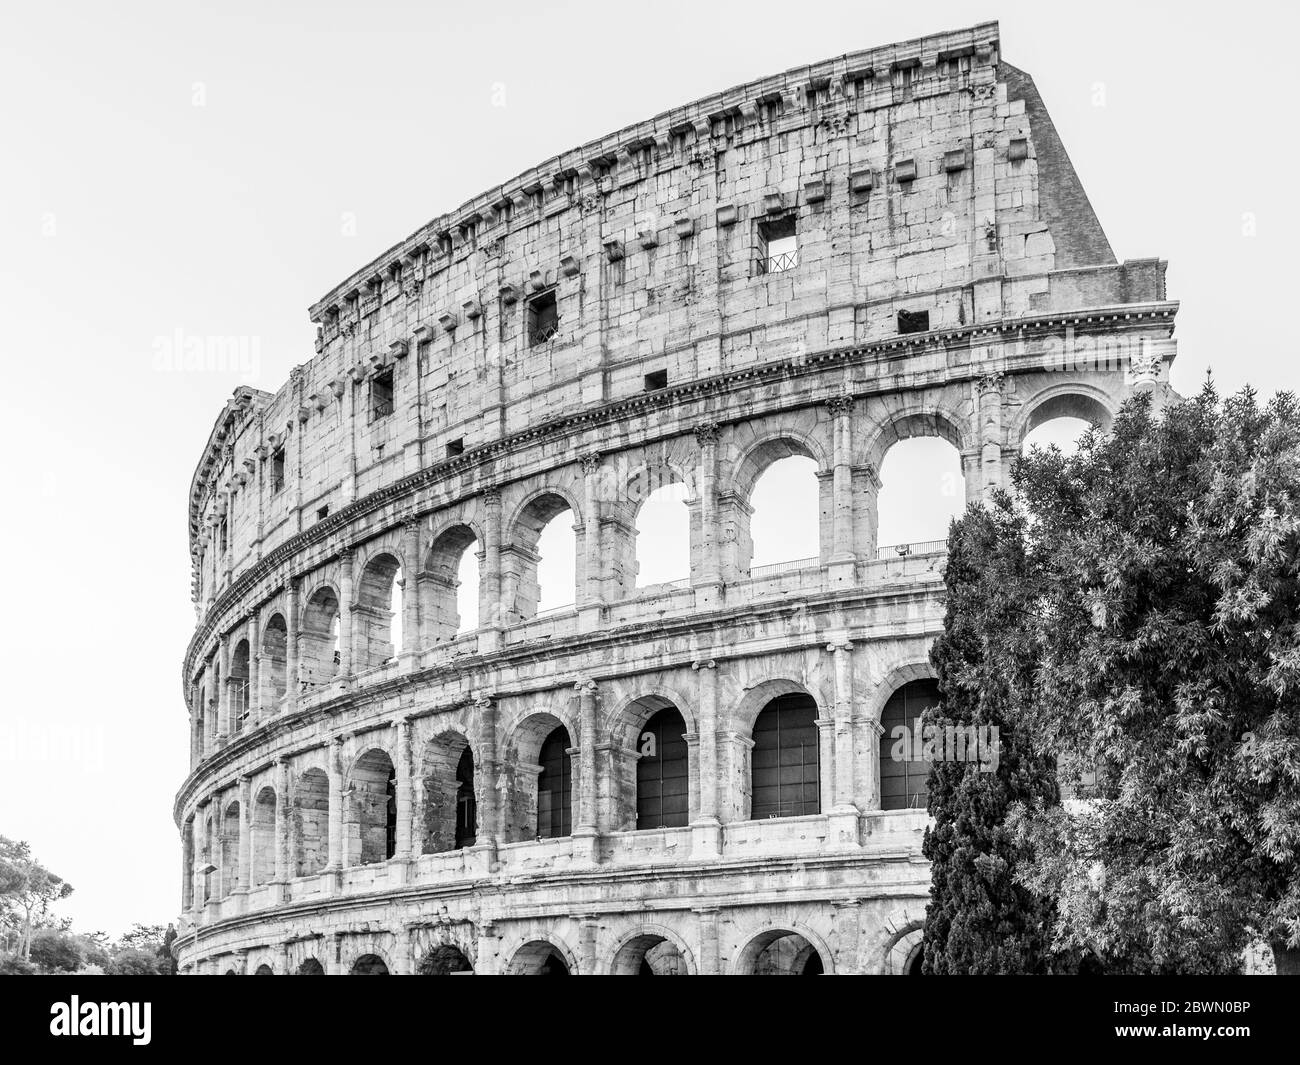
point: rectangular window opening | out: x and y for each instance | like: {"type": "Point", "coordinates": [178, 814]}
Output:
{"type": "Point", "coordinates": [381, 394]}
{"type": "Point", "coordinates": [656, 380]}
{"type": "Point", "coordinates": [323, 513]}
{"type": "Point", "coordinates": [543, 318]}
{"type": "Point", "coordinates": [277, 470]}
{"type": "Point", "coordinates": [456, 447]}
{"type": "Point", "coordinates": [913, 321]}
{"type": "Point", "coordinates": [778, 245]}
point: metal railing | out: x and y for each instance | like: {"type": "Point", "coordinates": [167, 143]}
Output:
{"type": "Point", "coordinates": [783, 567]}
{"type": "Point", "coordinates": [777, 264]}
{"type": "Point", "coordinates": [551, 612]}
{"type": "Point", "coordinates": [923, 547]}
{"type": "Point", "coordinates": [382, 409]}
{"type": "Point", "coordinates": [542, 335]}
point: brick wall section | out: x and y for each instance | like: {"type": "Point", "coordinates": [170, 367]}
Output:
{"type": "Point", "coordinates": [1062, 202]}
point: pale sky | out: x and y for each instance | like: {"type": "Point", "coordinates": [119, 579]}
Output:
{"type": "Point", "coordinates": [173, 170]}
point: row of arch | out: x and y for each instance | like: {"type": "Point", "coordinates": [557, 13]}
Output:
{"type": "Point", "coordinates": [784, 771]}
{"type": "Point", "coordinates": [785, 476]}
{"type": "Point", "coordinates": [776, 951]}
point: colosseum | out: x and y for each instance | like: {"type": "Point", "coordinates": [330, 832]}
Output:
{"type": "Point", "coordinates": [404, 761]}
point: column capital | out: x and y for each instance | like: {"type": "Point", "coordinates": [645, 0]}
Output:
{"type": "Point", "coordinates": [841, 404]}
{"type": "Point", "coordinates": [840, 645]}
{"type": "Point", "coordinates": [591, 462]}
{"type": "Point", "coordinates": [990, 383]}
{"type": "Point", "coordinates": [705, 663]}
{"type": "Point", "coordinates": [584, 684]}
{"type": "Point", "coordinates": [492, 495]}
{"type": "Point", "coordinates": [707, 433]}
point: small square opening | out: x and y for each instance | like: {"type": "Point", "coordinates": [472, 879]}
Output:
{"type": "Point", "coordinates": [913, 321]}
{"type": "Point", "coordinates": [543, 318]}
{"type": "Point", "coordinates": [323, 513]}
{"type": "Point", "coordinates": [656, 380]}
{"type": "Point", "coordinates": [456, 447]}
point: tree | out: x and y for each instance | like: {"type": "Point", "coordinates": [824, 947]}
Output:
{"type": "Point", "coordinates": [56, 951]}
{"type": "Point", "coordinates": [1169, 666]}
{"type": "Point", "coordinates": [28, 887]}
{"type": "Point", "coordinates": [131, 961]}
{"type": "Point", "coordinates": [980, 919]}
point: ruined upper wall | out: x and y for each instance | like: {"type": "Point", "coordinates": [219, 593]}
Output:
{"type": "Point", "coordinates": [921, 177]}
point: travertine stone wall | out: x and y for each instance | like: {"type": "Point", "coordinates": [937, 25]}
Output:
{"type": "Point", "coordinates": [921, 178]}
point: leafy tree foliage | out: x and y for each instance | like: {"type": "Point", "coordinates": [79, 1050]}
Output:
{"type": "Point", "coordinates": [27, 889]}
{"type": "Point", "coordinates": [1163, 579]}
{"type": "Point", "coordinates": [980, 920]}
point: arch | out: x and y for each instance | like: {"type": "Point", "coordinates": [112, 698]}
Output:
{"type": "Point", "coordinates": [929, 419]}
{"type": "Point", "coordinates": [440, 580]}
{"type": "Point", "coordinates": [377, 610]}
{"type": "Point", "coordinates": [318, 637]}
{"type": "Point", "coordinates": [762, 692]}
{"type": "Point", "coordinates": [922, 488]}
{"type": "Point", "coordinates": [652, 950]}
{"type": "Point", "coordinates": [904, 950]}
{"type": "Point", "coordinates": [789, 507]}
{"type": "Point", "coordinates": [311, 822]}
{"type": "Point", "coordinates": [263, 852]}
{"type": "Point", "coordinates": [790, 951]}
{"type": "Point", "coordinates": [770, 447]}
{"type": "Point", "coordinates": [275, 654]}
{"type": "Point", "coordinates": [541, 957]}
{"type": "Point", "coordinates": [443, 960]}
{"type": "Point", "coordinates": [522, 557]}
{"type": "Point", "coordinates": [237, 686]}
{"type": "Point", "coordinates": [903, 777]}
{"type": "Point", "coordinates": [370, 814]}
{"type": "Point", "coordinates": [369, 965]}
{"type": "Point", "coordinates": [522, 768]}
{"type": "Point", "coordinates": [1073, 399]}
{"type": "Point", "coordinates": [263, 970]}
{"type": "Point", "coordinates": [785, 762]}
{"type": "Point", "coordinates": [231, 827]}
{"type": "Point", "coordinates": [663, 771]}
{"type": "Point", "coordinates": [449, 811]}
{"type": "Point", "coordinates": [555, 786]}
{"type": "Point", "coordinates": [310, 967]}
{"type": "Point", "coordinates": [661, 532]}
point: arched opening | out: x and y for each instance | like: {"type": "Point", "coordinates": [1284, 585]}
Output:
{"type": "Point", "coordinates": [230, 829]}
{"type": "Point", "coordinates": [237, 685]}
{"type": "Point", "coordinates": [785, 516]}
{"type": "Point", "coordinates": [443, 960]}
{"type": "Point", "coordinates": [538, 958]}
{"type": "Point", "coordinates": [369, 965]}
{"type": "Point", "coordinates": [318, 640]}
{"type": "Point", "coordinates": [450, 585]}
{"type": "Point", "coordinates": [1061, 419]}
{"type": "Point", "coordinates": [922, 491]}
{"type": "Point", "coordinates": [554, 786]}
{"type": "Point", "coordinates": [539, 565]}
{"type": "Point", "coordinates": [662, 772]}
{"type": "Point", "coordinates": [264, 970]}
{"type": "Point", "coordinates": [450, 818]}
{"type": "Point", "coordinates": [264, 837]}
{"type": "Point", "coordinates": [372, 809]}
{"type": "Point", "coordinates": [210, 859]}
{"type": "Point", "coordinates": [784, 763]}
{"type": "Point", "coordinates": [377, 615]}
{"type": "Point", "coordinates": [663, 537]}
{"type": "Point", "coordinates": [312, 822]}
{"type": "Point", "coordinates": [310, 967]}
{"type": "Point", "coordinates": [915, 965]}
{"type": "Point", "coordinates": [1063, 434]}
{"type": "Point", "coordinates": [648, 955]}
{"type": "Point", "coordinates": [275, 657]}
{"type": "Point", "coordinates": [781, 952]}
{"type": "Point", "coordinates": [904, 773]}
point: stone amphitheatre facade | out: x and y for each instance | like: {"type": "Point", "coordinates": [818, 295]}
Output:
{"type": "Point", "coordinates": [682, 778]}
